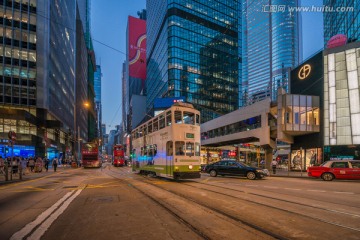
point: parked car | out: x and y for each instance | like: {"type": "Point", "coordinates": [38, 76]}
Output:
{"type": "Point", "coordinates": [339, 169]}
{"type": "Point", "coordinates": [231, 167]}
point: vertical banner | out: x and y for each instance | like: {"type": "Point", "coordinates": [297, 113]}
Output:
{"type": "Point", "coordinates": [137, 47]}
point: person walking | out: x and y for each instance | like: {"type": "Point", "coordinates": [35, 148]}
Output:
{"type": "Point", "coordinates": [274, 164]}
{"type": "Point", "coordinates": [31, 164]}
{"type": "Point", "coordinates": [23, 165]}
{"type": "Point", "coordinates": [55, 163]}
{"type": "Point", "coordinates": [46, 163]}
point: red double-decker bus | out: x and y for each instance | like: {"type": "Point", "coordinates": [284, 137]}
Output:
{"type": "Point", "coordinates": [90, 155]}
{"type": "Point", "coordinates": [118, 154]}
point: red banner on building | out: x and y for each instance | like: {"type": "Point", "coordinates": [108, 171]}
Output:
{"type": "Point", "coordinates": [137, 47]}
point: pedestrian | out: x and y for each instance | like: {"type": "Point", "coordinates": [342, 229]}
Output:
{"type": "Point", "coordinates": [46, 163]}
{"type": "Point", "coordinates": [2, 165]}
{"type": "Point", "coordinates": [55, 163]}
{"type": "Point", "coordinates": [31, 164]}
{"type": "Point", "coordinates": [274, 164]}
{"type": "Point", "coordinates": [23, 165]}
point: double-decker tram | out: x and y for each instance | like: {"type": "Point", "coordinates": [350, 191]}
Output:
{"type": "Point", "coordinates": [168, 145]}
{"type": "Point", "coordinates": [90, 155]}
{"type": "Point", "coordinates": [118, 153]}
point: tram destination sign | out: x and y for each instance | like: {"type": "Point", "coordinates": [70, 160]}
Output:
{"type": "Point", "coordinates": [189, 135]}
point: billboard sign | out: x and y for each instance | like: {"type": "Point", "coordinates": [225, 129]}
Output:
{"type": "Point", "coordinates": [137, 47]}
{"type": "Point", "coordinates": [336, 41]}
{"type": "Point", "coordinates": [164, 103]}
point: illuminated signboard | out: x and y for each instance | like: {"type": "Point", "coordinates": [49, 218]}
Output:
{"type": "Point", "coordinates": [190, 135]}
{"type": "Point", "coordinates": [336, 41]}
{"type": "Point", "coordinates": [164, 103]}
{"type": "Point", "coordinates": [304, 71]}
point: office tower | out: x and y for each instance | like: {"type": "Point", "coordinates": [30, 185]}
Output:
{"type": "Point", "coordinates": [192, 52]}
{"type": "Point", "coordinates": [343, 19]}
{"type": "Point", "coordinates": [97, 88]}
{"type": "Point", "coordinates": [271, 41]}
{"type": "Point", "coordinates": [37, 75]}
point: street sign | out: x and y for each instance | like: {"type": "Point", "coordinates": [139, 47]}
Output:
{"type": "Point", "coordinates": [12, 135]}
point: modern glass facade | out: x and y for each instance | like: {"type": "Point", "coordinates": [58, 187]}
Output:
{"type": "Point", "coordinates": [97, 88]}
{"type": "Point", "coordinates": [18, 53]}
{"type": "Point", "coordinates": [37, 73]}
{"type": "Point", "coordinates": [344, 20]}
{"type": "Point", "coordinates": [192, 52]}
{"type": "Point", "coordinates": [270, 47]}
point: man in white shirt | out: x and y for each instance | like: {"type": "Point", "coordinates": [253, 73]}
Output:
{"type": "Point", "coordinates": [274, 164]}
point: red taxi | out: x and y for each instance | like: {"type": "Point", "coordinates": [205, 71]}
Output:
{"type": "Point", "coordinates": [339, 169]}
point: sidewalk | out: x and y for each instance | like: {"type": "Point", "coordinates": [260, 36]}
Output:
{"type": "Point", "coordinates": [32, 175]}
{"type": "Point", "coordinates": [285, 173]}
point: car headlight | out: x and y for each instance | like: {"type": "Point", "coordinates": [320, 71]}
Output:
{"type": "Point", "coordinates": [190, 167]}
{"type": "Point", "coordinates": [259, 170]}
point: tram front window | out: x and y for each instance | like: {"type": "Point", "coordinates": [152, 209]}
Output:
{"type": "Point", "coordinates": [189, 118]}
{"type": "Point", "coordinates": [189, 149]}
{"type": "Point", "coordinates": [179, 146]}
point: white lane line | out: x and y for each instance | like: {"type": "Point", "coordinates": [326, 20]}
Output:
{"type": "Point", "coordinates": [345, 192]}
{"type": "Point", "coordinates": [30, 226]}
{"type": "Point", "coordinates": [295, 189]}
{"type": "Point", "coordinates": [313, 190]}
{"type": "Point", "coordinates": [46, 225]}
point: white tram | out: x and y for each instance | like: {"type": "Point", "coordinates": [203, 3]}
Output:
{"type": "Point", "coordinates": [168, 145]}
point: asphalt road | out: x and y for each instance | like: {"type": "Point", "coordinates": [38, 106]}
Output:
{"type": "Point", "coordinates": [114, 203]}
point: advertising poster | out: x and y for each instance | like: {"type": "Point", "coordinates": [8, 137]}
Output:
{"type": "Point", "coordinates": [297, 159]}
{"type": "Point", "coordinates": [137, 47]}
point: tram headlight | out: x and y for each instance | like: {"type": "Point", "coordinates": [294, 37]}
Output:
{"type": "Point", "coordinates": [176, 168]}
{"type": "Point", "coordinates": [190, 167]}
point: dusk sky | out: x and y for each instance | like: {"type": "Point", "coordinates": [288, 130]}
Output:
{"type": "Point", "coordinates": [109, 27]}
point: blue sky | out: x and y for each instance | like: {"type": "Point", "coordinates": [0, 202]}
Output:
{"type": "Point", "coordinates": [108, 26]}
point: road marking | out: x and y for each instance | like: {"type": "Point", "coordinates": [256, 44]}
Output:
{"type": "Point", "coordinates": [46, 225]}
{"type": "Point", "coordinates": [295, 189]}
{"type": "Point", "coordinates": [248, 185]}
{"type": "Point", "coordinates": [30, 226]}
{"type": "Point", "coordinates": [314, 190]}
{"type": "Point", "coordinates": [345, 192]}
{"type": "Point", "coordinates": [270, 187]}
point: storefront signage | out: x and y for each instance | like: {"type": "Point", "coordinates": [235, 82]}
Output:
{"type": "Point", "coordinates": [304, 71]}
{"type": "Point", "coordinates": [342, 158]}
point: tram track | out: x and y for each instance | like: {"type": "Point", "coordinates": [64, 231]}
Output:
{"type": "Point", "coordinates": [230, 218]}
{"type": "Point", "coordinates": [279, 199]}
{"type": "Point", "coordinates": [272, 207]}
{"type": "Point", "coordinates": [166, 208]}
{"type": "Point", "coordinates": [282, 209]}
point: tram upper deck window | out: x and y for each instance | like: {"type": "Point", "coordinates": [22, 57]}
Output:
{"type": "Point", "coordinates": [155, 124]}
{"type": "Point", "coordinates": [189, 118]}
{"type": "Point", "coordinates": [150, 127]}
{"type": "Point", "coordinates": [161, 121]}
{"type": "Point", "coordinates": [178, 118]}
{"type": "Point", "coordinates": [168, 118]}
{"type": "Point", "coordinates": [197, 119]}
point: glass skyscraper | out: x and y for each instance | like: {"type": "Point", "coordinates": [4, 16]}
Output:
{"type": "Point", "coordinates": [345, 19]}
{"type": "Point", "coordinates": [37, 74]}
{"type": "Point", "coordinates": [193, 52]}
{"type": "Point", "coordinates": [270, 47]}
{"type": "Point", "coordinates": [97, 88]}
